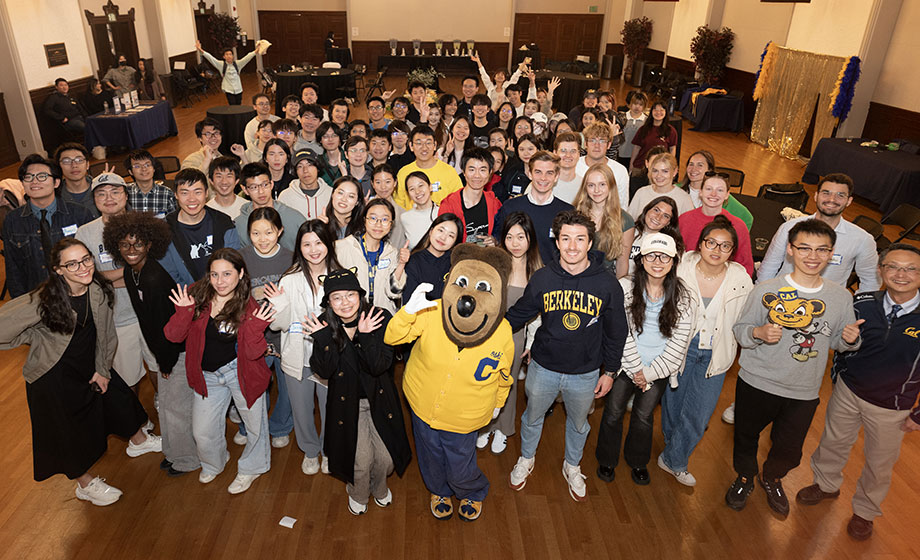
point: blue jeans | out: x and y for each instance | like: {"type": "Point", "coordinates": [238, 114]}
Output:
{"type": "Point", "coordinates": [209, 424]}
{"type": "Point", "coordinates": [542, 386]}
{"type": "Point", "coordinates": [281, 419]}
{"type": "Point", "coordinates": [447, 461]}
{"type": "Point", "coordinates": [686, 411]}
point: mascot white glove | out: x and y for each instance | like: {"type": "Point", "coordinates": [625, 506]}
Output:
{"type": "Point", "coordinates": [495, 413]}
{"type": "Point", "coordinates": [418, 301]}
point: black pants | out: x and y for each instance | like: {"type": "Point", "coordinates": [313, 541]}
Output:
{"type": "Point", "coordinates": [234, 98]}
{"type": "Point", "coordinates": [638, 447]}
{"type": "Point", "coordinates": [791, 418]}
{"type": "Point", "coordinates": [75, 124]}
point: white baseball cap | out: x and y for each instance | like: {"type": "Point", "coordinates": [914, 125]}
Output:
{"type": "Point", "coordinates": [658, 243]}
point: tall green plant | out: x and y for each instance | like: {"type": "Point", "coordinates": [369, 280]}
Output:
{"type": "Point", "coordinates": [224, 30]}
{"type": "Point", "coordinates": [637, 34]}
{"type": "Point", "coordinates": [711, 50]}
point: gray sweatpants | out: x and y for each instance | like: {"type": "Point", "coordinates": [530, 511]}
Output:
{"type": "Point", "coordinates": [372, 460]}
{"type": "Point", "coordinates": [176, 399]}
{"type": "Point", "coordinates": [301, 394]}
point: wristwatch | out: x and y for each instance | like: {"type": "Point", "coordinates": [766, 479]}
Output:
{"type": "Point", "coordinates": [610, 374]}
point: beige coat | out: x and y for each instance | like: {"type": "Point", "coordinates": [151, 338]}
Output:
{"type": "Point", "coordinates": [387, 289]}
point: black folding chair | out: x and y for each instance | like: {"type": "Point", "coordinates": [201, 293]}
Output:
{"type": "Point", "coordinates": [792, 195]}
{"type": "Point", "coordinates": [378, 85]}
{"type": "Point", "coordinates": [907, 216]}
{"type": "Point", "coordinates": [875, 229]}
{"type": "Point", "coordinates": [735, 177]}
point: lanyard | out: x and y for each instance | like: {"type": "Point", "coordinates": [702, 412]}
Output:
{"type": "Point", "coordinates": [372, 259]}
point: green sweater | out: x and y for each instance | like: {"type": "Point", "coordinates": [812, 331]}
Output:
{"type": "Point", "coordinates": [738, 210]}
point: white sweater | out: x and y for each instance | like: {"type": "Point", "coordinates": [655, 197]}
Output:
{"type": "Point", "coordinates": [312, 207]}
{"type": "Point", "coordinates": [291, 306]}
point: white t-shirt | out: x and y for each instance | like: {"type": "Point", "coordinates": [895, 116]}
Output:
{"type": "Point", "coordinates": [620, 174]}
{"type": "Point", "coordinates": [566, 190]}
{"type": "Point", "coordinates": [416, 222]}
{"type": "Point", "coordinates": [233, 210]}
{"type": "Point", "coordinates": [647, 194]}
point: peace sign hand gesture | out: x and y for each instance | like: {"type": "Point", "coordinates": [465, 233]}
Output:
{"type": "Point", "coordinates": [180, 298]}
{"type": "Point", "coordinates": [369, 323]}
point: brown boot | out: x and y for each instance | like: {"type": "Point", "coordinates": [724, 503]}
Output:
{"type": "Point", "coordinates": [859, 528]}
{"type": "Point", "coordinates": [811, 495]}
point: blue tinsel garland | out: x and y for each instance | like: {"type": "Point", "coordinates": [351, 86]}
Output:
{"type": "Point", "coordinates": [844, 101]}
{"type": "Point", "coordinates": [762, 55]}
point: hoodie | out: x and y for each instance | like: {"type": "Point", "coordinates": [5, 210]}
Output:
{"type": "Point", "coordinates": [583, 319]}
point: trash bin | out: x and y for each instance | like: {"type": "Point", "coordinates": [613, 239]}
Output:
{"type": "Point", "coordinates": [607, 66]}
{"type": "Point", "coordinates": [638, 72]}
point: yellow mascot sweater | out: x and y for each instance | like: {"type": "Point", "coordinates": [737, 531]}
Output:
{"type": "Point", "coordinates": [450, 388]}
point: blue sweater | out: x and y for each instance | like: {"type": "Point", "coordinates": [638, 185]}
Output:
{"type": "Point", "coordinates": [542, 217]}
{"type": "Point", "coordinates": [884, 371]}
{"type": "Point", "coordinates": [425, 267]}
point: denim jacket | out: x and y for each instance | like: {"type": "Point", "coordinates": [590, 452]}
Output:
{"type": "Point", "coordinates": [25, 260]}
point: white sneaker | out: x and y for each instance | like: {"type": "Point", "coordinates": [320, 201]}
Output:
{"type": "Point", "coordinates": [576, 480]}
{"type": "Point", "coordinates": [520, 472]}
{"type": "Point", "coordinates": [387, 500]}
{"type": "Point", "coordinates": [522, 374]}
{"type": "Point", "coordinates": [499, 442]}
{"type": "Point", "coordinates": [483, 440]}
{"type": "Point", "coordinates": [156, 401]}
{"type": "Point", "coordinates": [148, 427]}
{"type": "Point", "coordinates": [205, 478]}
{"type": "Point", "coordinates": [324, 465]}
{"type": "Point", "coordinates": [355, 508]}
{"type": "Point", "coordinates": [728, 415]}
{"type": "Point", "coordinates": [684, 477]}
{"type": "Point", "coordinates": [279, 442]}
{"type": "Point", "coordinates": [241, 483]}
{"type": "Point", "coordinates": [234, 415]}
{"type": "Point", "coordinates": [240, 439]}
{"type": "Point", "coordinates": [310, 465]}
{"type": "Point", "coordinates": [98, 493]}
{"type": "Point", "coordinates": [153, 444]}
{"type": "Point", "coordinates": [629, 403]}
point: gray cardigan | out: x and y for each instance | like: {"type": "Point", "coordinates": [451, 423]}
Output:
{"type": "Point", "coordinates": [20, 323]}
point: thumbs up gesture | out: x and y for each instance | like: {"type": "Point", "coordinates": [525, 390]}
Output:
{"type": "Point", "coordinates": [404, 254]}
{"type": "Point", "coordinates": [851, 331]}
{"type": "Point", "coordinates": [769, 333]}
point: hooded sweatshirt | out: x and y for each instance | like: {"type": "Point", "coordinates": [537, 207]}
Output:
{"type": "Point", "coordinates": [583, 319]}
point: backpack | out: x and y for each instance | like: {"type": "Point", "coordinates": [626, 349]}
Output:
{"type": "Point", "coordinates": [223, 70]}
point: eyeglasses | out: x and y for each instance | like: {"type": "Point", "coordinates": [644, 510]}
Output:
{"type": "Point", "coordinates": [423, 143]}
{"type": "Point", "coordinates": [263, 104]}
{"type": "Point", "coordinates": [375, 108]}
{"type": "Point", "coordinates": [73, 161]}
{"type": "Point", "coordinates": [73, 266]}
{"type": "Point", "coordinates": [721, 174]}
{"type": "Point", "coordinates": [805, 251]}
{"type": "Point", "coordinates": [660, 257]}
{"type": "Point", "coordinates": [139, 166]}
{"type": "Point", "coordinates": [137, 245]}
{"type": "Point", "coordinates": [597, 141]}
{"type": "Point", "coordinates": [260, 186]}
{"type": "Point", "coordinates": [210, 134]}
{"type": "Point", "coordinates": [110, 192]}
{"type": "Point", "coordinates": [284, 133]}
{"type": "Point", "coordinates": [377, 220]}
{"type": "Point", "coordinates": [567, 150]}
{"type": "Point", "coordinates": [400, 106]}
{"type": "Point", "coordinates": [837, 195]}
{"type": "Point", "coordinates": [397, 133]}
{"type": "Point", "coordinates": [340, 298]}
{"type": "Point", "coordinates": [330, 136]}
{"type": "Point", "coordinates": [893, 268]}
{"type": "Point", "coordinates": [39, 177]}
{"type": "Point", "coordinates": [712, 244]}
{"type": "Point", "coordinates": [356, 150]}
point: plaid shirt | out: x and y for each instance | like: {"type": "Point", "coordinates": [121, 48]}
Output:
{"type": "Point", "coordinates": [160, 200]}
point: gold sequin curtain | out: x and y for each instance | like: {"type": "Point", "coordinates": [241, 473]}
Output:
{"type": "Point", "coordinates": [798, 83]}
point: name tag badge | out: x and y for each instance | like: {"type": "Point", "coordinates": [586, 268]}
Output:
{"type": "Point", "coordinates": [105, 257]}
{"type": "Point", "coordinates": [836, 259]}
{"type": "Point", "coordinates": [516, 189]}
{"type": "Point", "coordinates": [209, 240]}
{"type": "Point", "coordinates": [296, 328]}
{"type": "Point", "coordinates": [383, 264]}
{"type": "Point", "coordinates": [70, 230]}
{"type": "Point", "coordinates": [436, 186]}
{"type": "Point", "coordinates": [551, 236]}
{"type": "Point", "coordinates": [161, 215]}
{"type": "Point", "coordinates": [140, 295]}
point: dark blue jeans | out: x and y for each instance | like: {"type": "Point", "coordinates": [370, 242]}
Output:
{"type": "Point", "coordinates": [447, 461]}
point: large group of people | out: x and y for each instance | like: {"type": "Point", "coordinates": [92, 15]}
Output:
{"type": "Point", "coordinates": [316, 257]}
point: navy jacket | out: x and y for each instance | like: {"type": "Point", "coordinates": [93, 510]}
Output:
{"type": "Point", "coordinates": [425, 267]}
{"type": "Point", "coordinates": [584, 321]}
{"type": "Point", "coordinates": [26, 265]}
{"type": "Point", "coordinates": [177, 261]}
{"type": "Point", "coordinates": [884, 371]}
{"type": "Point", "coordinates": [542, 217]}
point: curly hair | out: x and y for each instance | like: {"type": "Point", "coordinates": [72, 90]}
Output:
{"type": "Point", "coordinates": [144, 226]}
{"type": "Point", "coordinates": [54, 293]}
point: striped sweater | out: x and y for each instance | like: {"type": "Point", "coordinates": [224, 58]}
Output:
{"type": "Point", "coordinates": [670, 362]}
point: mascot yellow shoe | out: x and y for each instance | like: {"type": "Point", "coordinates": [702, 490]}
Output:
{"type": "Point", "coordinates": [458, 374]}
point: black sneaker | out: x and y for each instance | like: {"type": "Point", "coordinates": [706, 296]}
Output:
{"type": "Point", "coordinates": [776, 496]}
{"type": "Point", "coordinates": [738, 493]}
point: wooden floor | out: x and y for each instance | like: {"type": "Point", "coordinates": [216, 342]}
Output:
{"type": "Point", "coordinates": [161, 517]}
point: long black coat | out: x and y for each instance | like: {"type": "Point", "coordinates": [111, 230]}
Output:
{"type": "Point", "coordinates": [364, 362]}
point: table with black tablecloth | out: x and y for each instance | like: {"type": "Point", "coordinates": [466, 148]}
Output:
{"type": "Point", "coordinates": [328, 80]}
{"type": "Point", "coordinates": [717, 112]}
{"type": "Point", "coordinates": [233, 120]}
{"type": "Point", "coordinates": [767, 219]}
{"type": "Point", "coordinates": [133, 128]}
{"type": "Point", "coordinates": [518, 57]}
{"type": "Point", "coordinates": [342, 55]}
{"type": "Point", "coordinates": [886, 178]}
{"type": "Point", "coordinates": [569, 94]}
{"type": "Point", "coordinates": [447, 65]}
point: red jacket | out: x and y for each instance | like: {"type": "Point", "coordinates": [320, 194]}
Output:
{"type": "Point", "coordinates": [252, 372]}
{"type": "Point", "coordinates": [454, 204]}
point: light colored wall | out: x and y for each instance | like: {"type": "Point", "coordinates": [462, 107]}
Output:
{"type": "Point", "coordinates": [755, 23]}
{"type": "Point", "coordinates": [616, 15]}
{"type": "Point", "coordinates": [178, 26]}
{"type": "Point", "coordinates": [662, 15]}
{"type": "Point", "coordinates": [687, 17]}
{"type": "Point", "coordinates": [557, 7]}
{"type": "Point", "coordinates": [36, 23]}
{"type": "Point", "coordinates": [315, 5]}
{"type": "Point", "coordinates": [899, 82]}
{"type": "Point", "coordinates": [834, 27]}
{"type": "Point", "coordinates": [428, 21]}
{"type": "Point", "coordinates": [244, 12]}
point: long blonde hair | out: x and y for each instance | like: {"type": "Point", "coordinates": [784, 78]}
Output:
{"type": "Point", "coordinates": [610, 231]}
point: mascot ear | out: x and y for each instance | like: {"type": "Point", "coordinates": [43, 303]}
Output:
{"type": "Point", "coordinates": [354, 270]}
{"type": "Point", "coordinates": [322, 279]}
{"type": "Point", "coordinates": [768, 299]}
{"type": "Point", "coordinates": [818, 307]}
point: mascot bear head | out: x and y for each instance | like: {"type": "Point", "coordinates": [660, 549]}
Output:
{"type": "Point", "coordinates": [475, 293]}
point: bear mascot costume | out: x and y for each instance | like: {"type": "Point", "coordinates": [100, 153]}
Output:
{"type": "Point", "coordinates": [458, 374]}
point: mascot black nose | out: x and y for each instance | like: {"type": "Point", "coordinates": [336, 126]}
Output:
{"type": "Point", "coordinates": [466, 305]}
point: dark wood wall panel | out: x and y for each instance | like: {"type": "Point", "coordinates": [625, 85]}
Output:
{"type": "Point", "coordinates": [560, 36]}
{"type": "Point", "coordinates": [298, 36]}
{"type": "Point", "coordinates": [8, 152]}
{"type": "Point", "coordinates": [886, 123]}
{"type": "Point", "coordinates": [189, 58]}
{"type": "Point", "coordinates": [493, 55]}
{"type": "Point", "coordinates": [680, 65]}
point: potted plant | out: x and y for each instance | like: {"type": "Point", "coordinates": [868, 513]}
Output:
{"type": "Point", "coordinates": [637, 34]}
{"type": "Point", "coordinates": [711, 50]}
{"type": "Point", "coordinates": [224, 30]}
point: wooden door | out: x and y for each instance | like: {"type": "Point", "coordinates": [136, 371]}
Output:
{"type": "Point", "coordinates": [299, 37]}
{"type": "Point", "coordinates": [561, 37]}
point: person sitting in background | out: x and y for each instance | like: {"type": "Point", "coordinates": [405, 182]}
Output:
{"type": "Point", "coordinates": [262, 104]}
{"type": "Point", "coordinates": [96, 97]}
{"type": "Point", "coordinates": [148, 81]}
{"type": "Point", "coordinates": [146, 194]}
{"type": "Point", "coordinates": [61, 107]}
{"type": "Point", "coordinates": [75, 186]}
{"type": "Point", "coordinates": [210, 136]}
{"type": "Point", "coordinates": [224, 174]}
